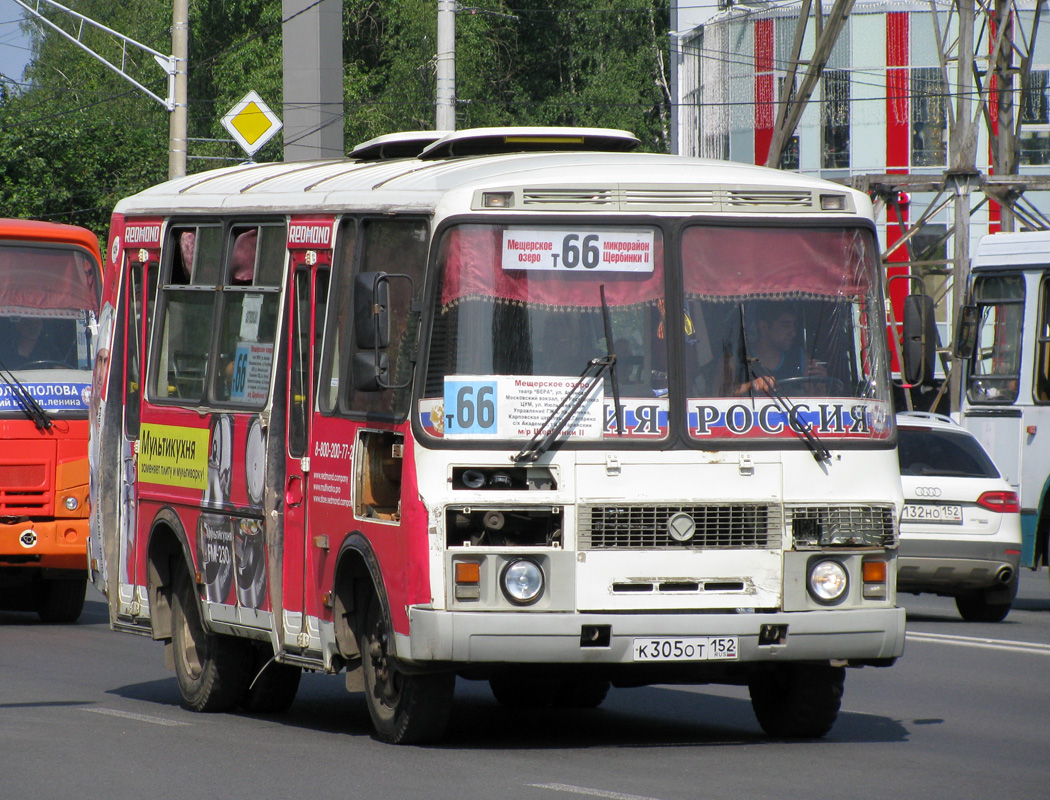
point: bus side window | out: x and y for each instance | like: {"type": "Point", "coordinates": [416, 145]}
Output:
{"type": "Point", "coordinates": [248, 314]}
{"type": "Point", "coordinates": [186, 314]}
{"type": "Point", "coordinates": [1042, 361]}
{"type": "Point", "coordinates": [338, 340]}
{"type": "Point", "coordinates": [392, 246]}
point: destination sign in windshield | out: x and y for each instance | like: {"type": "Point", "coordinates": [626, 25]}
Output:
{"type": "Point", "coordinates": [583, 250]}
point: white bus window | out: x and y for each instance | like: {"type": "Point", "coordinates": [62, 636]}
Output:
{"type": "Point", "coordinates": [995, 366]}
{"type": "Point", "coordinates": [1042, 359]}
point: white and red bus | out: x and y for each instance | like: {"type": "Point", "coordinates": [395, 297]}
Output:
{"type": "Point", "coordinates": [50, 286]}
{"type": "Point", "coordinates": [499, 404]}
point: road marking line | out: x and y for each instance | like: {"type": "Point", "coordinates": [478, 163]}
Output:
{"type": "Point", "coordinates": [110, 712]}
{"type": "Point", "coordinates": [564, 787]}
{"type": "Point", "coordinates": [1005, 645]}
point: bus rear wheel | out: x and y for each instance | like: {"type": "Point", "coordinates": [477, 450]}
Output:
{"type": "Point", "coordinates": [405, 709]}
{"type": "Point", "coordinates": [212, 671]}
{"type": "Point", "coordinates": [797, 701]}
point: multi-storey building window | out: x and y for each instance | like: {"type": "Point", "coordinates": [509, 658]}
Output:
{"type": "Point", "coordinates": [929, 118]}
{"type": "Point", "coordinates": [835, 114]}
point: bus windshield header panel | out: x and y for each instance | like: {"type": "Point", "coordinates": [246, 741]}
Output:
{"type": "Point", "coordinates": [783, 330]}
{"type": "Point", "coordinates": [522, 312]}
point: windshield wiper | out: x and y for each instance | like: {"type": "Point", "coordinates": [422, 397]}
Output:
{"type": "Point", "coordinates": [573, 400]}
{"type": "Point", "coordinates": [612, 365]}
{"type": "Point", "coordinates": [28, 403]}
{"type": "Point", "coordinates": [794, 421]}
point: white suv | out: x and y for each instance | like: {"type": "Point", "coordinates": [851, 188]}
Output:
{"type": "Point", "coordinates": [961, 527]}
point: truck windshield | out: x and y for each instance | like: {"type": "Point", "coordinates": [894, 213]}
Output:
{"type": "Point", "coordinates": [48, 301]}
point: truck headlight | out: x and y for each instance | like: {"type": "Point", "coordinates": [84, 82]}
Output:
{"type": "Point", "coordinates": [522, 582]}
{"type": "Point", "coordinates": [828, 582]}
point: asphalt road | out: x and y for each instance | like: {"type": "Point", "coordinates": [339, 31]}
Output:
{"type": "Point", "coordinates": [88, 713]}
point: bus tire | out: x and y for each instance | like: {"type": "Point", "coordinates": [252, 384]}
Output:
{"type": "Point", "coordinates": [405, 709]}
{"type": "Point", "coordinates": [60, 600]}
{"type": "Point", "coordinates": [212, 670]}
{"type": "Point", "coordinates": [797, 701]}
{"type": "Point", "coordinates": [515, 689]}
{"type": "Point", "coordinates": [581, 693]}
{"type": "Point", "coordinates": [274, 689]}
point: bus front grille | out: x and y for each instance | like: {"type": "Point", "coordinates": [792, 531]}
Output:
{"type": "Point", "coordinates": [717, 526]}
{"type": "Point", "coordinates": [814, 527]}
{"type": "Point", "coordinates": [23, 489]}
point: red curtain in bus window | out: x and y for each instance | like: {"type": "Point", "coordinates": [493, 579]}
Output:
{"type": "Point", "coordinates": [38, 277]}
{"type": "Point", "coordinates": [473, 269]}
{"type": "Point", "coordinates": [738, 263]}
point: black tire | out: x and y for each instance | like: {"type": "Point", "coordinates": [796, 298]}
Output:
{"type": "Point", "coordinates": [274, 689]}
{"type": "Point", "coordinates": [60, 600]}
{"type": "Point", "coordinates": [516, 690]}
{"type": "Point", "coordinates": [977, 607]}
{"type": "Point", "coordinates": [405, 709]}
{"type": "Point", "coordinates": [581, 693]}
{"type": "Point", "coordinates": [213, 671]}
{"type": "Point", "coordinates": [797, 701]}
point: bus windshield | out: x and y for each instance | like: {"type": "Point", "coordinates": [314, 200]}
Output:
{"type": "Point", "coordinates": [522, 311]}
{"type": "Point", "coordinates": [995, 365]}
{"type": "Point", "coordinates": [48, 299]}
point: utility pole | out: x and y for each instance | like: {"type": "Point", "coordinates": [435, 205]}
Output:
{"type": "Point", "coordinates": [313, 79]}
{"type": "Point", "coordinates": [170, 64]}
{"type": "Point", "coordinates": [180, 27]}
{"type": "Point", "coordinates": [445, 112]}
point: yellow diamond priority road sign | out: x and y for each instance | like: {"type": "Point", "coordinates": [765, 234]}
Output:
{"type": "Point", "coordinates": [251, 123]}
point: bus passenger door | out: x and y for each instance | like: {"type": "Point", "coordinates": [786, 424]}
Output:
{"type": "Point", "coordinates": [302, 557]}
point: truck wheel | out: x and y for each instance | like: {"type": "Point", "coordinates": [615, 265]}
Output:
{"type": "Point", "coordinates": [797, 701]}
{"type": "Point", "coordinates": [274, 689]}
{"type": "Point", "coordinates": [212, 670]}
{"type": "Point", "coordinates": [60, 600]}
{"type": "Point", "coordinates": [405, 709]}
{"type": "Point", "coordinates": [977, 607]}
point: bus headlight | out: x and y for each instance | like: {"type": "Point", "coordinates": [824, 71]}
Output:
{"type": "Point", "coordinates": [522, 582]}
{"type": "Point", "coordinates": [828, 582]}
{"type": "Point", "coordinates": [71, 503]}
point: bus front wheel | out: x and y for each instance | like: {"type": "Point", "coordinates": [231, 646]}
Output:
{"type": "Point", "coordinates": [405, 709]}
{"type": "Point", "coordinates": [797, 701]}
{"type": "Point", "coordinates": [211, 670]}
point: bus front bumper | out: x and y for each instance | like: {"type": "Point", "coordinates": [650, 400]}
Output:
{"type": "Point", "coordinates": [858, 635]}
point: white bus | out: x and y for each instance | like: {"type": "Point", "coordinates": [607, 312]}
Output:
{"type": "Point", "coordinates": [513, 405]}
{"type": "Point", "coordinates": [1006, 383]}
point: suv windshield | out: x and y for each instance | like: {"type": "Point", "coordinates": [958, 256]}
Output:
{"type": "Point", "coordinates": [923, 451]}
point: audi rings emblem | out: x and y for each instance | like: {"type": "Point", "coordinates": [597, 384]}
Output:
{"type": "Point", "coordinates": [681, 527]}
{"type": "Point", "coordinates": [927, 491]}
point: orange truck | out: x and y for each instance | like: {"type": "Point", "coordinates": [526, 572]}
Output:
{"type": "Point", "coordinates": [50, 284]}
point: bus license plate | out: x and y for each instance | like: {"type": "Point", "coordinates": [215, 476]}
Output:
{"type": "Point", "coordinates": [933, 513]}
{"type": "Point", "coordinates": [695, 648]}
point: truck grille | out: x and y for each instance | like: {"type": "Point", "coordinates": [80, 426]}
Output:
{"type": "Point", "coordinates": [23, 489]}
{"type": "Point", "coordinates": [723, 526]}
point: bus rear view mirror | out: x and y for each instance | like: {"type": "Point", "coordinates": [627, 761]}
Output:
{"type": "Point", "coordinates": [966, 332]}
{"type": "Point", "coordinates": [920, 338]}
{"type": "Point", "coordinates": [371, 371]}
{"type": "Point", "coordinates": [371, 314]}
